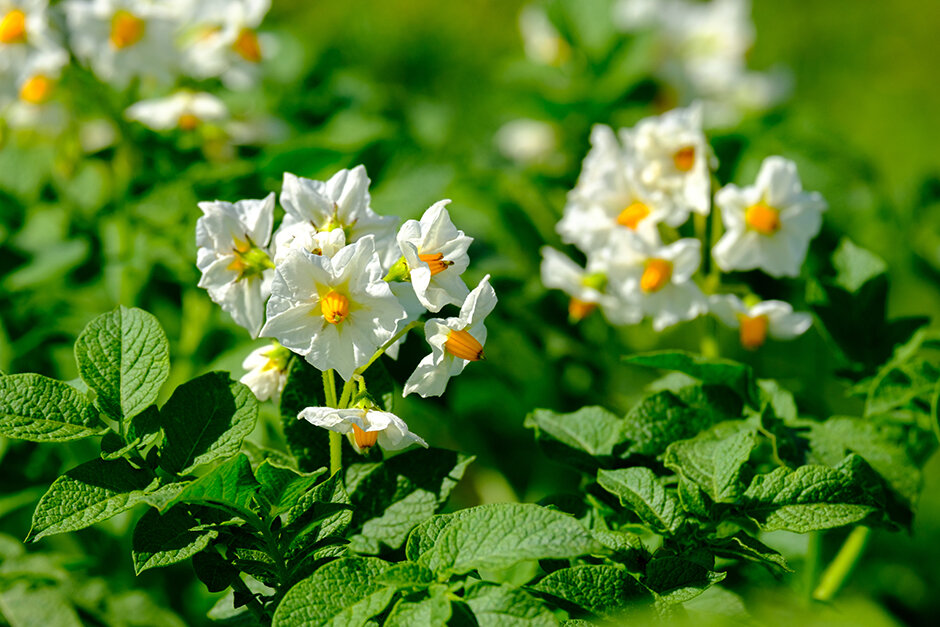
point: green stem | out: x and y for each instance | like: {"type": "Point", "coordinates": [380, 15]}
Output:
{"type": "Point", "coordinates": [841, 567]}
{"type": "Point", "coordinates": [813, 562]}
{"type": "Point", "coordinates": [336, 452]}
{"type": "Point", "coordinates": [254, 605]}
{"type": "Point", "coordinates": [329, 388]}
{"type": "Point", "coordinates": [346, 396]}
{"type": "Point", "coordinates": [387, 345]}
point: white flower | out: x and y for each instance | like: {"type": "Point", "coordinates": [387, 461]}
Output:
{"type": "Point", "coordinates": [334, 311]}
{"type": "Point", "coordinates": [454, 343]}
{"type": "Point", "coordinates": [770, 317]}
{"type": "Point", "coordinates": [610, 206]}
{"type": "Point", "coordinates": [586, 287]}
{"type": "Point", "coordinates": [236, 267]}
{"type": "Point", "coordinates": [304, 236]}
{"type": "Point", "coordinates": [24, 31]}
{"type": "Point", "coordinates": [267, 371]}
{"type": "Point", "coordinates": [364, 427]}
{"type": "Point", "coordinates": [184, 110]}
{"type": "Point", "coordinates": [635, 15]}
{"type": "Point", "coordinates": [658, 282]}
{"type": "Point", "coordinates": [542, 41]}
{"type": "Point", "coordinates": [122, 39]}
{"type": "Point", "coordinates": [527, 141]}
{"type": "Point", "coordinates": [26, 102]}
{"type": "Point", "coordinates": [674, 159]}
{"type": "Point", "coordinates": [436, 254]}
{"type": "Point", "coordinates": [769, 224]}
{"type": "Point", "coordinates": [220, 39]}
{"type": "Point", "coordinates": [343, 202]}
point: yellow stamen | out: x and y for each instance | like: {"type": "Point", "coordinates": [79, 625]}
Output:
{"type": "Point", "coordinates": [656, 275]}
{"type": "Point", "coordinates": [13, 27]}
{"type": "Point", "coordinates": [247, 46]}
{"type": "Point", "coordinates": [126, 29]}
{"type": "Point", "coordinates": [762, 218]}
{"type": "Point", "coordinates": [579, 309]}
{"type": "Point", "coordinates": [436, 262]}
{"type": "Point", "coordinates": [753, 331]}
{"type": "Point", "coordinates": [364, 439]}
{"type": "Point", "coordinates": [335, 307]}
{"type": "Point", "coordinates": [37, 89]}
{"type": "Point", "coordinates": [462, 345]}
{"type": "Point", "coordinates": [188, 122]}
{"type": "Point", "coordinates": [684, 159]}
{"type": "Point", "coordinates": [633, 215]}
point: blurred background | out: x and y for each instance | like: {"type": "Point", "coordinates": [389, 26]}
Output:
{"type": "Point", "coordinates": [465, 101]}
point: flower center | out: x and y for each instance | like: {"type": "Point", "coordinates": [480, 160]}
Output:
{"type": "Point", "coordinates": [462, 345]}
{"type": "Point", "coordinates": [37, 89]}
{"type": "Point", "coordinates": [580, 309]}
{"type": "Point", "coordinates": [633, 215]}
{"type": "Point", "coordinates": [656, 274]}
{"type": "Point", "coordinates": [278, 356]}
{"type": "Point", "coordinates": [247, 46]}
{"type": "Point", "coordinates": [762, 218]}
{"type": "Point", "coordinates": [753, 331]}
{"type": "Point", "coordinates": [335, 307]}
{"type": "Point", "coordinates": [250, 261]}
{"type": "Point", "coordinates": [684, 158]}
{"type": "Point", "coordinates": [436, 262]}
{"type": "Point", "coordinates": [364, 439]}
{"type": "Point", "coordinates": [188, 122]}
{"type": "Point", "coordinates": [126, 29]}
{"type": "Point", "coordinates": [13, 27]}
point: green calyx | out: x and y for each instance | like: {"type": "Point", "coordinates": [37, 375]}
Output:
{"type": "Point", "coordinates": [363, 400]}
{"type": "Point", "coordinates": [250, 261]}
{"type": "Point", "coordinates": [399, 272]}
{"type": "Point", "coordinates": [278, 357]}
{"type": "Point", "coordinates": [596, 281]}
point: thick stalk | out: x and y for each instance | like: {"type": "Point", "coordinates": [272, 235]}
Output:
{"type": "Point", "coordinates": [813, 562]}
{"type": "Point", "coordinates": [841, 567]}
{"type": "Point", "coordinates": [336, 452]}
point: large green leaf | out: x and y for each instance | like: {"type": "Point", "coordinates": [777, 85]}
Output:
{"type": "Point", "coordinates": [39, 409]}
{"type": "Point", "coordinates": [168, 538]}
{"type": "Point", "coordinates": [505, 606]}
{"type": "Point", "coordinates": [677, 579]}
{"type": "Point", "coordinates": [644, 493]}
{"type": "Point", "coordinates": [664, 417]}
{"type": "Point", "coordinates": [600, 589]}
{"type": "Point", "coordinates": [707, 370]}
{"type": "Point", "coordinates": [206, 419]}
{"type": "Point", "coordinates": [124, 357]}
{"type": "Point", "coordinates": [586, 438]}
{"type": "Point", "coordinates": [281, 487]}
{"type": "Point", "coordinates": [90, 493]}
{"type": "Point", "coordinates": [26, 606]}
{"type": "Point", "coordinates": [432, 610]}
{"type": "Point", "coordinates": [230, 486]}
{"type": "Point", "coordinates": [714, 459]}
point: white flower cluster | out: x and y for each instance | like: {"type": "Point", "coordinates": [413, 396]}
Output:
{"type": "Point", "coordinates": [703, 53]}
{"type": "Point", "coordinates": [339, 285]}
{"type": "Point", "coordinates": [655, 175]}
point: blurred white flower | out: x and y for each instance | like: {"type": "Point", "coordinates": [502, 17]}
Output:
{"type": "Point", "coordinates": [267, 371]}
{"type": "Point", "coordinates": [436, 254]}
{"type": "Point", "coordinates": [527, 141]}
{"type": "Point", "coordinates": [364, 427]}
{"type": "Point", "coordinates": [24, 30]}
{"type": "Point", "coordinates": [455, 342]}
{"type": "Point", "coordinates": [586, 287]}
{"type": "Point", "coordinates": [123, 39]}
{"type": "Point", "coordinates": [658, 281]}
{"type": "Point", "coordinates": [342, 202]}
{"type": "Point", "coordinates": [236, 267]}
{"type": "Point", "coordinates": [773, 318]}
{"type": "Point", "coordinates": [185, 110]}
{"type": "Point", "coordinates": [768, 225]}
{"type": "Point", "coordinates": [304, 236]}
{"type": "Point", "coordinates": [674, 160]}
{"type": "Point", "coordinates": [334, 311]}
{"type": "Point", "coordinates": [26, 102]}
{"type": "Point", "coordinates": [541, 40]}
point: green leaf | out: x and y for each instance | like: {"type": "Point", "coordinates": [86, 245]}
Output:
{"type": "Point", "coordinates": [495, 537]}
{"type": "Point", "coordinates": [593, 431]}
{"type": "Point", "coordinates": [643, 492]}
{"type": "Point", "coordinates": [714, 459]}
{"type": "Point", "coordinates": [391, 497]}
{"type": "Point", "coordinates": [856, 266]}
{"type": "Point", "coordinates": [124, 357]}
{"type": "Point", "coordinates": [206, 419]}
{"type": "Point", "coordinates": [213, 570]}
{"type": "Point", "coordinates": [317, 524]}
{"type": "Point", "coordinates": [230, 486]}
{"type": "Point", "coordinates": [25, 606]}
{"type": "Point", "coordinates": [39, 409]}
{"type": "Point", "coordinates": [505, 606]}
{"type": "Point", "coordinates": [743, 546]}
{"type": "Point", "coordinates": [676, 579]}
{"type": "Point", "coordinates": [310, 446]}
{"type": "Point", "coordinates": [709, 371]}
{"type": "Point", "coordinates": [405, 575]}
{"type": "Point", "coordinates": [343, 592]}
{"type": "Point", "coordinates": [161, 540]}
{"type": "Point", "coordinates": [281, 487]}
{"type": "Point", "coordinates": [432, 610]}
{"type": "Point", "coordinates": [90, 493]}
{"type": "Point", "coordinates": [809, 498]}
{"type": "Point", "coordinates": [600, 589]}
{"type": "Point", "coordinates": [662, 418]}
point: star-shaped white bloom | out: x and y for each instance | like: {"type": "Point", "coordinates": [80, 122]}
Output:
{"type": "Point", "coordinates": [267, 371]}
{"type": "Point", "coordinates": [610, 206]}
{"type": "Point", "coordinates": [658, 282]}
{"type": "Point", "coordinates": [454, 343]}
{"type": "Point", "coordinates": [674, 159]}
{"type": "Point", "coordinates": [364, 427]}
{"type": "Point", "coordinates": [768, 225]}
{"type": "Point", "coordinates": [334, 311]}
{"type": "Point", "coordinates": [26, 95]}
{"type": "Point", "coordinates": [436, 253]}
{"type": "Point", "coordinates": [236, 267]}
{"type": "Point", "coordinates": [184, 110]}
{"type": "Point", "coordinates": [586, 287]}
{"type": "Point", "coordinates": [773, 318]}
{"type": "Point", "coordinates": [304, 236]}
{"type": "Point", "coordinates": [342, 202]}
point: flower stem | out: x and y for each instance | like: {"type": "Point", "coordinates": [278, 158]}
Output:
{"type": "Point", "coordinates": [813, 562]}
{"type": "Point", "coordinates": [336, 452]}
{"type": "Point", "coordinates": [841, 567]}
{"type": "Point", "coordinates": [329, 388]}
{"type": "Point", "coordinates": [387, 345]}
{"type": "Point", "coordinates": [346, 396]}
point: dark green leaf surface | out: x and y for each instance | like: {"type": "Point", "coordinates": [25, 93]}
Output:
{"type": "Point", "coordinates": [505, 606]}
{"type": "Point", "coordinates": [599, 589]}
{"type": "Point", "coordinates": [714, 459]}
{"type": "Point", "coordinates": [40, 409]}
{"type": "Point", "coordinates": [643, 492]}
{"type": "Point", "coordinates": [161, 540]}
{"type": "Point", "coordinates": [709, 371]}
